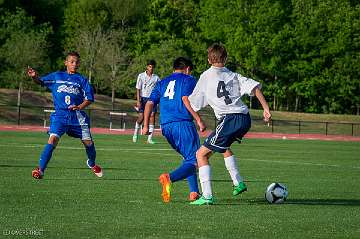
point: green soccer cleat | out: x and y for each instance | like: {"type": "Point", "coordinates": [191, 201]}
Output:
{"type": "Point", "coordinates": [203, 201]}
{"type": "Point", "coordinates": [239, 189]}
{"type": "Point", "coordinates": [150, 141]}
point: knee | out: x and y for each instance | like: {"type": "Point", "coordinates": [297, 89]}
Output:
{"type": "Point", "coordinates": [88, 143]}
{"type": "Point", "coordinates": [202, 159]}
{"type": "Point", "coordinates": [53, 140]}
{"type": "Point", "coordinates": [227, 153]}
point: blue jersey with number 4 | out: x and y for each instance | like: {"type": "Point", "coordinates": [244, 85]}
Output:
{"type": "Point", "coordinates": [67, 89]}
{"type": "Point", "coordinates": [169, 92]}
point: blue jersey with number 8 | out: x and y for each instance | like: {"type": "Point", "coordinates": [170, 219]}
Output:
{"type": "Point", "coordinates": [67, 89]}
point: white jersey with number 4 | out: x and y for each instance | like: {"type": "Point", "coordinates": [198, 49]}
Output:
{"type": "Point", "coordinates": [222, 89]}
{"type": "Point", "coordinates": [146, 83]}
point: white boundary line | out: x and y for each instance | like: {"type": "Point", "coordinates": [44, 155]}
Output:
{"type": "Point", "coordinates": [148, 151]}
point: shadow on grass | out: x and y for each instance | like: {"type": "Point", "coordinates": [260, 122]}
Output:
{"type": "Point", "coordinates": [311, 202]}
{"type": "Point", "coordinates": [77, 168]}
{"type": "Point", "coordinates": [318, 201]}
{"type": "Point", "coordinates": [246, 181]}
{"type": "Point", "coordinates": [102, 179]}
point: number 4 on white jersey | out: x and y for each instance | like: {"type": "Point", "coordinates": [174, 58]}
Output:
{"type": "Point", "coordinates": [169, 92]}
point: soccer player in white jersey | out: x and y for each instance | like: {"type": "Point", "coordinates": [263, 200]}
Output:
{"type": "Point", "coordinates": [144, 85]}
{"type": "Point", "coordinates": [222, 89]}
{"type": "Point", "coordinates": [72, 93]}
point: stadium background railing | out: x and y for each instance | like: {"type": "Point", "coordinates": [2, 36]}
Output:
{"type": "Point", "coordinates": [35, 115]}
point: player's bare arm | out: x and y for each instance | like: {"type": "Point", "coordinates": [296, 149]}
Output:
{"type": "Point", "coordinates": [147, 111]}
{"type": "Point", "coordinates": [138, 98]}
{"type": "Point", "coordinates": [194, 114]}
{"type": "Point", "coordinates": [82, 106]}
{"type": "Point", "coordinates": [264, 104]}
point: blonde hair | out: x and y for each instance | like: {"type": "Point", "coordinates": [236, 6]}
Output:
{"type": "Point", "coordinates": [217, 53]}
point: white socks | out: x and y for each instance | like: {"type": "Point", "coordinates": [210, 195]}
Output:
{"type": "Point", "coordinates": [205, 181]}
{"type": "Point", "coordinates": [230, 163]}
{"type": "Point", "coordinates": [137, 128]}
{"type": "Point", "coordinates": [151, 130]}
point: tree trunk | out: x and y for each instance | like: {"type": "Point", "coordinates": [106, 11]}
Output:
{"type": "Point", "coordinates": [274, 102]}
{"type": "Point", "coordinates": [296, 103]}
{"type": "Point", "coordinates": [112, 97]}
{"type": "Point", "coordinates": [90, 75]}
{"type": "Point", "coordinates": [19, 103]}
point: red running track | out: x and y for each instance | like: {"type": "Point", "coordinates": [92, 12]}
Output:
{"type": "Point", "coordinates": [258, 135]}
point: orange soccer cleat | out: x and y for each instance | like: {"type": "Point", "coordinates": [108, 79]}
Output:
{"type": "Point", "coordinates": [166, 186]}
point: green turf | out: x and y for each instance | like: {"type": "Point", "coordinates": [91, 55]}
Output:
{"type": "Point", "coordinates": [70, 202]}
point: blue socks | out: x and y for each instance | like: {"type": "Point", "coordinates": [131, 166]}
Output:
{"type": "Point", "coordinates": [45, 156]}
{"type": "Point", "coordinates": [193, 183]}
{"type": "Point", "coordinates": [91, 153]}
{"type": "Point", "coordinates": [186, 170]}
{"type": "Point", "coordinates": [49, 148]}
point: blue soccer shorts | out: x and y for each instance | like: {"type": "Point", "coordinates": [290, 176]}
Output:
{"type": "Point", "coordinates": [183, 137]}
{"type": "Point", "coordinates": [232, 127]}
{"type": "Point", "coordinates": [143, 101]}
{"type": "Point", "coordinates": [74, 123]}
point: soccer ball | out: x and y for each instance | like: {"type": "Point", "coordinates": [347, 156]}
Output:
{"type": "Point", "coordinates": [276, 193]}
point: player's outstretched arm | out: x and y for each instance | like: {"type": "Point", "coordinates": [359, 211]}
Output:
{"type": "Point", "coordinates": [82, 106]}
{"type": "Point", "coordinates": [147, 111]}
{"type": "Point", "coordinates": [194, 114]}
{"type": "Point", "coordinates": [33, 74]}
{"type": "Point", "coordinates": [267, 115]}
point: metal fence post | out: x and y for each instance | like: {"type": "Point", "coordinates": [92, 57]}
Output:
{"type": "Point", "coordinates": [326, 128]}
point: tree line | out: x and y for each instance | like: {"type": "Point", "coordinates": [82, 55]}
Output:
{"type": "Point", "coordinates": [304, 52]}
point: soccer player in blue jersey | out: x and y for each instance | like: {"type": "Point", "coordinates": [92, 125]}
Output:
{"type": "Point", "coordinates": [176, 120]}
{"type": "Point", "coordinates": [71, 93]}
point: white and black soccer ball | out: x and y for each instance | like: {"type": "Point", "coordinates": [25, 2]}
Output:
{"type": "Point", "coordinates": [276, 193]}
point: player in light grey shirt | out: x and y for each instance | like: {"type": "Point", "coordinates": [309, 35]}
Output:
{"type": "Point", "coordinates": [144, 85]}
{"type": "Point", "coordinates": [222, 89]}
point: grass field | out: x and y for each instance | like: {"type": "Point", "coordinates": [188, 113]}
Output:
{"type": "Point", "coordinates": [70, 202]}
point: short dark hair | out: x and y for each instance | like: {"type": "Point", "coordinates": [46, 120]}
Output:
{"type": "Point", "coordinates": [181, 63]}
{"type": "Point", "coordinates": [73, 53]}
{"type": "Point", "coordinates": [151, 62]}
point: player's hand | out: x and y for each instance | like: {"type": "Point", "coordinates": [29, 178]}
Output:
{"type": "Point", "coordinates": [73, 107]}
{"type": "Point", "coordinates": [267, 116]}
{"type": "Point", "coordinates": [202, 126]}
{"type": "Point", "coordinates": [145, 130]}
{"type": "Point", "coordinates": [31, 72]}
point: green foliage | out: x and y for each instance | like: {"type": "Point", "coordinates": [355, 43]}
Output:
{"type": "Point", "coordinates": [305, 53]}
{"type": "Point", "coordinates": [23, 44]}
